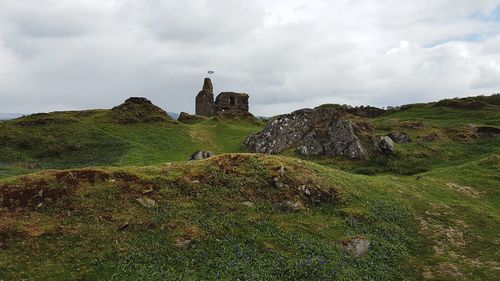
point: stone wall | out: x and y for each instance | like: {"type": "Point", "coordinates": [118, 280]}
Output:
{"type": "Point", "coordinates": [231, 101]}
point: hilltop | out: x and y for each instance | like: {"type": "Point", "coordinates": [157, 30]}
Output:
{"type": "Point", "coordinates": [134, 133]}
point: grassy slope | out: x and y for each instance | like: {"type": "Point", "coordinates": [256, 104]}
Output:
{"type": "Point", "coordinates": [78, 139]}
{"type": "Point", "coordinates": [417, 227]}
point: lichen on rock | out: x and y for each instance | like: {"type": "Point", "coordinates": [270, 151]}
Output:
{"type": "Point", "coordinates": [314, 131]}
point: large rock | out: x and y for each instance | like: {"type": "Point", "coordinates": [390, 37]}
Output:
{"type": "Point", "coordinates": [386, 145]}
{"type": "Point", "coordinates": [199, 155]}
{"type": "Point", "coordinates": [314, 131]}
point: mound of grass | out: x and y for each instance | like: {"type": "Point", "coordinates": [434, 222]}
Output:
{"type": "Point", "coordinates": [138, 110]}
{"type": "Point", "coordinates": [477, 102]}
{"type": "Point", "coordinates": [217, 219]}
{"type": "Point", "coordinates": [221, 219]}
{"type": "Point", "coordinates": [94, 137]}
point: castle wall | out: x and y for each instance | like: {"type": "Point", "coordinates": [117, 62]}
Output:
{"type": "Point", "coordinates": [225, 103]}
{"type": "Point", "coordinates": [205, 99]}
{"type": "Point", "coordinates": [231, 101]}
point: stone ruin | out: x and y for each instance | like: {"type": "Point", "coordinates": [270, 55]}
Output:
{"type": "Point", "coordinates": [226, 103]}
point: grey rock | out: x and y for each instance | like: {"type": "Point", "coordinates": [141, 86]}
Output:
{"type": "Point", "coordinates": [343, 141]}
{"type": "Point", "coordinates": [202, 154]}
{"type": "Point", "coordinates": [315, 131]}
{"type": "Point", "coordinates": [386, 145]}
{"type": "Point", "coordinates": [357, 246]}
{"type": "Point", "coordinates": [400, 137]}
{"type": "Point", "coordinates": [146, 202]}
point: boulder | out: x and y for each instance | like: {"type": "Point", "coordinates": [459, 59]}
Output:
{"type": "Point", "coordinates": [386, 145]}
{"type": "Point", "coordinates": [314, 131]}
{"type": "Point", "coordinates": [201, 154]}
{"type": "Point", "coordinates": [400, 137]}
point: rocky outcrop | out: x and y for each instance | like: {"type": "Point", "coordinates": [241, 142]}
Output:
{"type": "Point", "coordinates": [199, 155]}
{"type": "Point", "coordinates": [314, 131]}
{"type": "Point", "coordinates": [386, 145]}
{"type": "Point", "coordinates": [187, 118]}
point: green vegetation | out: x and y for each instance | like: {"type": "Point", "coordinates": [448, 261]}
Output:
{"type": "Point", "coordinates": [93, 138]}
{"type": "Point", "coordinates": [84, 196]}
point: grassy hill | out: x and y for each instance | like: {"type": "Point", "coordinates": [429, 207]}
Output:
{"type": "Point", "coordinates": [221, 219]}
{"type": "Point", "coordinates": [92, 138]}
{"type": "Point", "coordinates": [109, 195]}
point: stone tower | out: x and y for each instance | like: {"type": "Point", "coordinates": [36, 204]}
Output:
{"type": "Point", "coordinates": [205, 99]}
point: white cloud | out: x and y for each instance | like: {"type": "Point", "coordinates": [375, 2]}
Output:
{"type": "Point", "coordinates": [290, 54]}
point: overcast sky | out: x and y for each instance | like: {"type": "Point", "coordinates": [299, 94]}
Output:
{"type": "Point", "coordinates": [287, 54]}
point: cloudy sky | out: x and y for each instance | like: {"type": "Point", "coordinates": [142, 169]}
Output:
{"type": "Point", "coordinates": [287, 54]}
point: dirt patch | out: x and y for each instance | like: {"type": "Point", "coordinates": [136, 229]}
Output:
{"type": "Point", "coordinates": [431, 136]}
{"type": "Point", "coordinates": [448, 240]}
{"type": "Point", "coordinates": [75, 177]}
{"type": "Point", "coordinates": [33, 192]}
{"type": "Point", "coordinates": [467, 190]}
{"type": "Point", "coordinates": [411, 125]}
{"type": "Point", "coordinates": [489, 131]}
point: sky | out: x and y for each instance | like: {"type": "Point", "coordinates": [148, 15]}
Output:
{"type": "Point", "coordinates": [286, 54]}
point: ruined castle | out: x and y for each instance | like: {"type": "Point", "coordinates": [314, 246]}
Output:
{"type": "Point", "coordinates": [226, 103]}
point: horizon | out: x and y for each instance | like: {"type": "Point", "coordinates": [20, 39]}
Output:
{"type": "Point", "coordinates": [173, 113]}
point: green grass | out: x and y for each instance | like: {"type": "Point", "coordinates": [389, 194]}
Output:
{"type": "Point", "coordinates": [75, 233]}
{"type": "Point", "coordinates": [91, 138]}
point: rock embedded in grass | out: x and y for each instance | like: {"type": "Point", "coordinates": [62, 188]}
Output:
{"type": "Point", "coordinates": [201, 154]}
{"type": "Point", "coordinates": [289, 206]}
{"type": "Point", "coordinates": [400, 137]}
{"type": "Point", "coordinates": [147, 202]}
{"type": "Point", "coordinates": [356, 246]}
